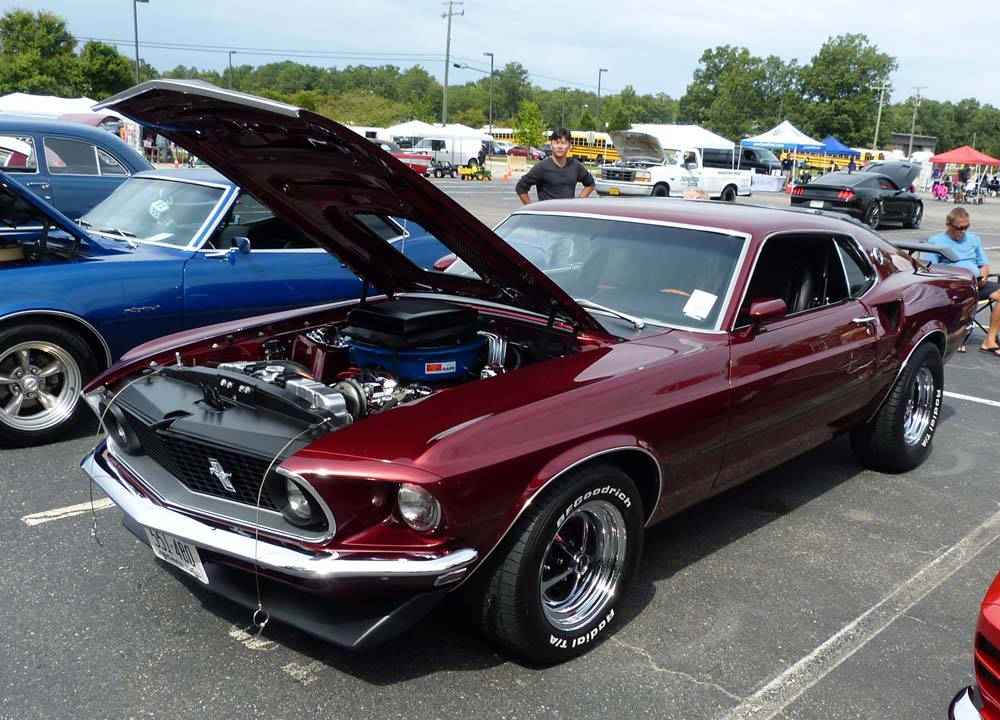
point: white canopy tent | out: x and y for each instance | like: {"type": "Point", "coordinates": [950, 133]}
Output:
{"type": "Point", "coordinates": [48, 106]}
{"type": "Point", "coordinates": [685, 136]}
{"type": "Point", "coordinates": [784, 137]}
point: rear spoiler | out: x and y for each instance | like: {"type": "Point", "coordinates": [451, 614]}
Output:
{"type": "Point", "coordinates": [947, 253]}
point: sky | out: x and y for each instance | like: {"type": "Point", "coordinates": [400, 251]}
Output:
{"type": "Point", "coordinates": [652, 45]}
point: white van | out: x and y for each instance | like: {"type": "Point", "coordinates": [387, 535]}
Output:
{"type": "Point", "coordinates": [456, 150]}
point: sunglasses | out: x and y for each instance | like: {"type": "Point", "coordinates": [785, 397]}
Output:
{"type": "Point", "coordinates": [960, 228]}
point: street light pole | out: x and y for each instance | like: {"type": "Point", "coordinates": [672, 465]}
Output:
{"type": "Point", "coordinates": [913, 125]}
{"type": "Point", "coordinates": [447, 58]}
{"type": "Point", "coordinates": [491, 89]}
{"type": "Point", "coordinates": [878, 119]}
{"type": "Point", "coordinates": [135, 24]}
{"type": "Point", "coordinates": [597, 122]}
{"type": "Point", "coordinates": [231, 53]}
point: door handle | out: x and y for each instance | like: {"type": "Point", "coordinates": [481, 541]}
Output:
{"type": "Point", "coordinates": [865, 320]}
{"type": "Point", "coordinates": [42, 185]}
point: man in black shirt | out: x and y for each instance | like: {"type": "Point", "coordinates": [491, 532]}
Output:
{"type": "Point", "coordinates": [555, 177]}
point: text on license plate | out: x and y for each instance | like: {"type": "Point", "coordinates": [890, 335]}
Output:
{"type": "Point", "coordinates": [613, 191]}
{"type": "Point", "coordinates": [177, 552]}
{"type": "Point", "coordinates": [816, 203]}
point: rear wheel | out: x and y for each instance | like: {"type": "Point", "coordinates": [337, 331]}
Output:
{"type": "Point", "coordinates": [438, 173]}
{"type": "Point", "coordinates": [899, 437]}
{"type": "Point", "coordinates": [42, 370]}
{"type": "Point", "coordinates": [916, 216]}
{"type": "Point", "coordinates": [557, 581]}
{"type": "Point", "coordinates": [600, 159]}
{"type": "Point", "coordinates": [729, 193]}
{"type": "Point", "coordinates": [873, 215]}
{"type": "Point", "coordinates": [661, 190]}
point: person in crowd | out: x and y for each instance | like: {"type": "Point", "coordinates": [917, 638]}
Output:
{"type": "Point", "coordinates": [556, 176]}
{"type": "Point", "coordinates": [969, 248]}
{"type": "Point", "coordinates": [148, 146]}
{"type": "Point", "coordinates": [851, 166]}
{"type": "Point", "coordinates": [786, 166]}
{"type": "Point", "coordinates": [833, 167]}
{"type": "Point", "coordinates": [482, 155]}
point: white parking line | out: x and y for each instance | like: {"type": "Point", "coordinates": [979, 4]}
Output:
{"type": "Point", "coordinates": [970, 398]}
{"type": "Point", "coordinates": [65, 512]}
{"type": "Point", "coordinates": [782, 691]}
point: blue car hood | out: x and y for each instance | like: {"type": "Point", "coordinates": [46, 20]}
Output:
{"type": "Point", "coordinates": [319, 176]}
{"type": "Point", "coordinates": [20, 207]}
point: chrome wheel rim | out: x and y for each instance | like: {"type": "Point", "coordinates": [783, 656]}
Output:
{"type": "Point", "coordinates": [873, 216]}
{"type": "Point", "coordinates": [583, 565]}
{"type": "Point", "coordinates": [919, 407]}
{"type": "Point", "coordinates": [39, 386]}
{"type": "Point", "coordinates": [917, 215]}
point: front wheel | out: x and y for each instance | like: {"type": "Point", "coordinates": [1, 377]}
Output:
{"type": "Point", "coordinates": [42, 370]}
{"type": "Point", "coordinates": [916, 216]}
{"type": "Point", "coordinates": [729, 194]}
{"type": "Point", "coordinates": [661, 190]}
{"type": "Point", "coordinates": [898, 438]}
{"type": "Point", "coordinates": [556, 583]}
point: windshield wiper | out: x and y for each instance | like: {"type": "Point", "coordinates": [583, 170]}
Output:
{"type": "Point", "coordinates": [639, 324]}
{"type": "Point", "coordinates": [123, 234]}
{"type": "Point", "coordinates": [83, 223]}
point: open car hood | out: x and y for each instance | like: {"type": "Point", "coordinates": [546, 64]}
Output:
{"type": "Point", "coordinates": [637, 147]}
{"type": "Point", "coordinates": [900, 172]}
{"type": "Point", "coordinates": [319, 175]}
{"type": "Point", "coordinates": [20, 207]}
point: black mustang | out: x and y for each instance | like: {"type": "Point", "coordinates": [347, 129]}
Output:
{"type": "Point", "coordinates": [878, 193]}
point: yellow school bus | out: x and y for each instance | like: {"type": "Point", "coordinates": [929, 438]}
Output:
{"type": "Point", "coordinates": [587, 146]}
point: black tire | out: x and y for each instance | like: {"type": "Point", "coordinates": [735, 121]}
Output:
{"type": "Point", "coordinates": [454, 173]}
{"type": "Point", "coordinates": [42, 361]}
{"type": "Point", "coordinates": [473, 161]}
{"type": "Point", "coordinates": [916, 216]}
{"type": "Point", "coordinates": [898, 438]}
{"type": "Point", "coordinates": [438, 173]}
{"type": "Point", "coordinates": [596, 507]}
{"type": "Point", "coordinates": [729, 193]}
{"type": "Point", "coordinates": [873, 215]}
{"type": "Point", "coordinates": [600, 159]}
{"type": "Point", "coordinates": [661, 190]}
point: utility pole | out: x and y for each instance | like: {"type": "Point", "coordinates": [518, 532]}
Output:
{"type": "Point", "coordinates": [135, 25]}
{"type": "Point", "coordinates": [878, 120]}
{"type": "Point", "coordinates": [231, 53]}
{"type": "Point", "coordinates": [491, 90]}
{"type": "Point", "coordinates": [597, 122]}
{"type": "Point", "coordinates": [913, 125]}
{"type": "Point", "coordinates": [563, 123]}
{"type": "Point", "coordinates": [447, 58]}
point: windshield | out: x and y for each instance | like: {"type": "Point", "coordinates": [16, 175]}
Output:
{"type": "Point", "coordinates": [671, 157]}
{"type": "Point", "coordinates": [155, 210]}
{"type": "Point", "coordinates": [656, 273]}
{"type": "Point", "coordinates": [767, 156]}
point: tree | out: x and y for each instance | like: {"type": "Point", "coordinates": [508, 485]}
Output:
{"type": "Point", "coordinates": [586, 121]}
{"type": "Point", "coordinates": [510, 89]}
{"type": "Point", "coordinates": [839, 88]}
{"type": "Point", "coordinates": [528, 127]}
{"type": "Point", "coordinates": [104, 71]}
{"type": "Point", "coordinates": [37, 54]}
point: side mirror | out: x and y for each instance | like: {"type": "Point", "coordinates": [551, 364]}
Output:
{"type": "Point", "coordinates": [240, 245]}
{"type": "Point", "coordinates": [763, 310]}
{"type": "Point", "coordinates": [692, 166]}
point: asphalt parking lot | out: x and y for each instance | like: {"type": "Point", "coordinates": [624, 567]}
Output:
{"type": "Point", "coordinates": [817, 590]}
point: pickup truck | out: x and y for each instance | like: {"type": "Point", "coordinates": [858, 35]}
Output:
{"type": "Point", "coordinates": [647, 168]}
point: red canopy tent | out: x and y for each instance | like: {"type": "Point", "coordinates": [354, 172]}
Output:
{"type": "Point", "coordinates": [965, 155]}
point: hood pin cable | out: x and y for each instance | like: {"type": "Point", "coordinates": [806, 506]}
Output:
{"type": "Point", "coordinates": [260, 612]}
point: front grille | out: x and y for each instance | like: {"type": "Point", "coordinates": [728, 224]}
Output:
{"type": "Point", "coordinates": [190, 463]}
{"type": "Point", "coordinates": [620, 174]}
{"type": "Point", "coordinates": [987, 664]}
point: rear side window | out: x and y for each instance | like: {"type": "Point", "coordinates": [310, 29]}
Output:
{"type": "Point", "coordinates": [17, 154]}
{"type": "Point", "coordinates": [70, 157]}
{"type": "Point", "coordinates": [107, 164]}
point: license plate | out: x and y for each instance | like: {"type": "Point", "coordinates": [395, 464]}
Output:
{"type": "Point", "coordinates": [177, 552]}
{"type": "Point", "coordinates": [613, 191]}
{"type": "Point", "coordinates": [816, 203]}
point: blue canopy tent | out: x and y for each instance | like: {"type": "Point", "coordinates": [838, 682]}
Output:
{"type": "Point", "coordinates": [833, 146]}
{"type": "Point", "coordinates": [784, 137]}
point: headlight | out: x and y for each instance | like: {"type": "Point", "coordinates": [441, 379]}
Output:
{"type": "Point", "coordinates": [420, 510]}
{"type": "Point", "coordinates": [643, 176]}
{"type": "Point", "coordinates": [298, 503]}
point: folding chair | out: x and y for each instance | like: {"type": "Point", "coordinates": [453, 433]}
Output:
{"type": "Point", "coordinates": [985, 307]}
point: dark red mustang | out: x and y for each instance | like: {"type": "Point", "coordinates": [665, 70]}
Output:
{"type": "Point", "coordinates": [505, 429]}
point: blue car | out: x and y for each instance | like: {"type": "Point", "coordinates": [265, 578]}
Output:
{"type": "Point", "coordinates": [168, 250]}
{"type": "Point", "coordinates": [70, 165]}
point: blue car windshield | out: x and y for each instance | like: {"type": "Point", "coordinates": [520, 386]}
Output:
{"type": "Point", "coordinates": [151, 209]}
{"type": "Point", "coordinates": [660, 274]}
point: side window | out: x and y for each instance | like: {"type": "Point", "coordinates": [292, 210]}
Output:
{"type": "Point", "coordinates": [253, 220]}
{"type": "Point", "coordinates": [860, 274]}
{"type": "Point", "coordinates": [803, 270]}
{"type": "Point", "coordinates": [437, 145]}
{"type": "Point", "coordinates": [17, 154]}
{"type": "Point", "coordinates": [108, 164]}
{"type": "Point", "coordinates": [70, 157]}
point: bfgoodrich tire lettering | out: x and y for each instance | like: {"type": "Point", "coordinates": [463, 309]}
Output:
{"type": "Point", "coordinates": [553, 588]}
{"type": "Point", "coordinates": [899, 437]}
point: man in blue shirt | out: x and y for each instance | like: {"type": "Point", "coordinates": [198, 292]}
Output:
{"type": "Point", "coordinates": [969, 249]}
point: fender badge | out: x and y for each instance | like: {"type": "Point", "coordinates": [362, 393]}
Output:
{"type": "Point", "coordinates": [219, 473]}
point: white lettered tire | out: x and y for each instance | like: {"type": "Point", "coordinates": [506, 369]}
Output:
{"type": "Point", "coordinates": [555, 586]}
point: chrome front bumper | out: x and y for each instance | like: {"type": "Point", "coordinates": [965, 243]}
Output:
{"type": "Point", "coordinates": [962, 707]}
{"type": "Point", "coordinates": [604, 187]}
{"type": "Point", "coordinates": [435, 570]}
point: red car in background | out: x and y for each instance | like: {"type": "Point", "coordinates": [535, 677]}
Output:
{"type": "Point", "coordinates": [419, 162]}
{"type": "Point", "coordinates": [986, 663]}
{"type": "Point", "coordinates": [528, 152]}
{"type": "Point", "coordinates": [507, 429]}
